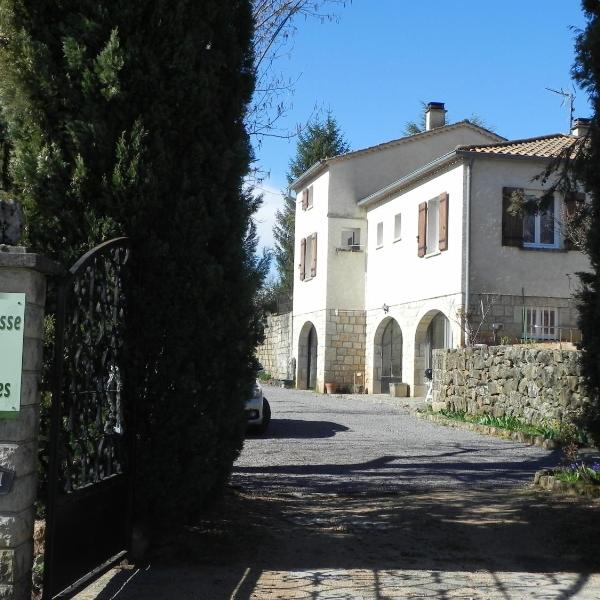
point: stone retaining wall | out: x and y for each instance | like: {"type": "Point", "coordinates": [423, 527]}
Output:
{"type": "Point", "coordinates": [536, 385]}
{"type": "Point", "coordinates": [276, 351]}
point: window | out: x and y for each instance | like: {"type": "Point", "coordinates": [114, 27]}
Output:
{"type": "Point", "coordinates": [433, 225]}
{"type": "Point", "coordinates": [351, 239]}
{"type": "Point", "coordinates": [308, 257]}
{"type": "Point", "coordinates": [540, 323]}
{"type": "Point", "coordinates": [397, 227]}
{"type": "Point", "coordinates": [539, 230]}
{"type": "Point", "coordinates": [380, 234]}
{"type": "Point", "coordinates": [431, 244]}
{"type": "Point", "coordinates": [307, 198]}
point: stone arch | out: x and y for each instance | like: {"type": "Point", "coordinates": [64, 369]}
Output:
{"type": "Point", "coordinates": [307, 357]}
{"type": "Point", "coordinates": [433, 331]}
{"type": "Point", "coordinates": [387, 355]}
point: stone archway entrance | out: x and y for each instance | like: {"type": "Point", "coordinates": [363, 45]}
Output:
{"type": "Point", "coordinates": [307, 357]}
{"type": "Point", "coordinates": [387, 360]}
{"type": "Point", "coordinates": [434, 331]}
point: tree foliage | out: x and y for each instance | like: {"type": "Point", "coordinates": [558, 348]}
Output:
{"type": "Point", "coordinates": [584, 167]}
{"type": "Point", "coordinates": [321, 139]}
{"type": "Point", "coordinates": [128, 118]}
{"type": "Point", "coordinates": [274, 31]}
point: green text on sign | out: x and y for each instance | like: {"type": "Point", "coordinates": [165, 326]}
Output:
{"type": "Point", "coordinates": [12, 325]}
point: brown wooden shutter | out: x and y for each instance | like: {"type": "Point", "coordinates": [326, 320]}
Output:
{"type": "Point", "coordinates": [443, 216]}
{"type": "Point", "coordinates": [422, 237]}
{"type": "Point", "coordinates": [305, 199]}
{"type": "Point", "coordinates": [302, 257]}
{"type": "Point", "coordinates": [313, 266]}
{"type": "Point", "coordinates": [512, 225]}
{"type": "Point", "coordinates": [572, 199]}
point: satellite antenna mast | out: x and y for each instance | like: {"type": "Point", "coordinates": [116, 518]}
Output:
{"type": "Point", "coordinates": [570, 96]}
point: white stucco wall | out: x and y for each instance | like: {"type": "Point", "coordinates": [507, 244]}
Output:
{"type": "Point", "coordinates": [346, 273]}
{"type": "Point", "coordinates": [395, 272]}
{"type": "Point", "coordinates": [414, 288]}
{"type": "Point", "coordinates": [311, 295]}
{"type": "Point", "coordinates": [495, 268]}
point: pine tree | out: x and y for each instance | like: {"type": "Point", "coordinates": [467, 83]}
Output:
{"type": "Point", "coordinates": [587, 72]}
{"type": "Point", "coordinates": [321, 139]}
{"type": "Point", "coordinates": [128, 119]}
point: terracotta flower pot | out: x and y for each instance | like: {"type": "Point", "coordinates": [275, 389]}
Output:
{"type": "Point", "coordinates": [330, 388]}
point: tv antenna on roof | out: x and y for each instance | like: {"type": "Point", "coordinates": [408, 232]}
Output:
{"type": "Point", "coordinates": [570, 96]}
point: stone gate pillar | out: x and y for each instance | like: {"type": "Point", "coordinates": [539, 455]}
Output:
{"type": "Point", "coordinates": [24, 273]}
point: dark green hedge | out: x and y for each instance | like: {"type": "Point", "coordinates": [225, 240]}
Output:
{"type": "Point", "coordinates": [128, 119]}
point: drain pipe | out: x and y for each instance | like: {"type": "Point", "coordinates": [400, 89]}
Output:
{"type": "Point", "coordinates": [468, 238]}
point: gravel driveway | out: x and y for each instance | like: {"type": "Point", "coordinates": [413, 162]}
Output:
{"type": "Point", "coordinates": [352, 498]}
{"type": "Point", "coordinates": [374, 444]}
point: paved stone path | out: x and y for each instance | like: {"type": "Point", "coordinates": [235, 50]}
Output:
{"type": "Point", "coordinates": [355, 498]}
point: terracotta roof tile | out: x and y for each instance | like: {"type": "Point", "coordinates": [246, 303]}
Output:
{"type": "Point", "coordinates": [548, 146]}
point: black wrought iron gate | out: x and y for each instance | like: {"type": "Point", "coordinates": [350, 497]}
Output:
{"type": "Point", "coordinates": [89, 464]}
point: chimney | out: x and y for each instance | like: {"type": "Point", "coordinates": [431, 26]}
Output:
{"type": "Point", "coordinates": [435, 115]}
{"type": "Point", "coordinates": [580, 127]}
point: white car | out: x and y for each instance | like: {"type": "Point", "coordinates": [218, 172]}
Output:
{"type": "Point", "coordinates": [258, 410]}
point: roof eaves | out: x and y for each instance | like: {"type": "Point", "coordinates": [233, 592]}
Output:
{"type": "Point", "coordinates": [309, 174]}
{"type": "Point", "coordinates": [499, 155]}
{"type": "Point", "coordinates": [498, 139]}
{"type": "Point", "coordinates": [408, 179]}
{"type": "Point", "coordinates": [520, 141]}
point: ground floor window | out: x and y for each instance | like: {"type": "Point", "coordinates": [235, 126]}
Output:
{"type": "Point", "coordinates": [541, 323]}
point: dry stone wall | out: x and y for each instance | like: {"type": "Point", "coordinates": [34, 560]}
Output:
{"type": "Point", "coordinates": [276, 352]}
{"type": "Point", "coordinates": [537, 385]}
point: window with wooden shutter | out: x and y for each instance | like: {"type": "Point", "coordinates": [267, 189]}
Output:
{"type": "Point", "coordinates": [573, 200]}
{"type": "Point", "coordinates": [302, 257]}
{"type": "Point", "coordinates": [422, 231]}
{"type": "Point", "coordinates": [313, 266]}
{"type": "Point", "coordinates": [512, 225]}
{"type": "Point", "coordinates": [305, 199]}
{"type": "Point", "coordinates": [443, 221]}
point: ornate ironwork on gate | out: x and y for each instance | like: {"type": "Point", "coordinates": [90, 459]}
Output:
{"type": "Point", "coordinates": [90, 440]}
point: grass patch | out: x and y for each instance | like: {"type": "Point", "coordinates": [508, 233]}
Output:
{"type": "Point", "coordinates": [514, 424]}
{"type": "Point", "coordinates": [579, 472]}
{"type": "Point", "coordinates": [264, 376]}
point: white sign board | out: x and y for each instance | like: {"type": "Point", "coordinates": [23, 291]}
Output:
{"type": "Point", "coordinates": [12, 326]}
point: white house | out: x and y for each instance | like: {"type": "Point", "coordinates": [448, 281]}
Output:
{"type": "Point", "coordinates": [394, 242]}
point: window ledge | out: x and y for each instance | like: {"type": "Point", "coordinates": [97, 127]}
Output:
{"type": "Point", "coordinates": [398, 240]}
{"type": "Point", "coordinates": [543, 248]}
{"type": "Point", "coordinates": [432, 254]}
{"type": "Point", "coordinates": [378, 247]}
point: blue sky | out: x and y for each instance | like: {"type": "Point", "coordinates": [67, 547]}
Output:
{"type": "Point", "coordinates": [382, 57]}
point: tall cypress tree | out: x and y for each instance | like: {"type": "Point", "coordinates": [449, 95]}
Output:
{"type": "Point", "coordinates": [128, 118]}
{"type": "Point", "coordinates": [321, 139]}
{"type": "Point", "coordinates": [586, 167]}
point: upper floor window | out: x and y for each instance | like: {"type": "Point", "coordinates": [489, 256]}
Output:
{"type": "Point", "coordinates": [539, 229]}
{"type": "Point", "coordinates": [351, 239]}
{"type": "Point", "coordinates": [433, 225]}
{"type": "Point", "coordinates": [380, 234]}
{"type": "Point", "coordinates": [308, 257]}
{"type": "Point", "coordinates": [307, 198]}
{"type": "Point", "coordinates": [397, 227]}
{"type": "Point", "coordinates": [432, 238]}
